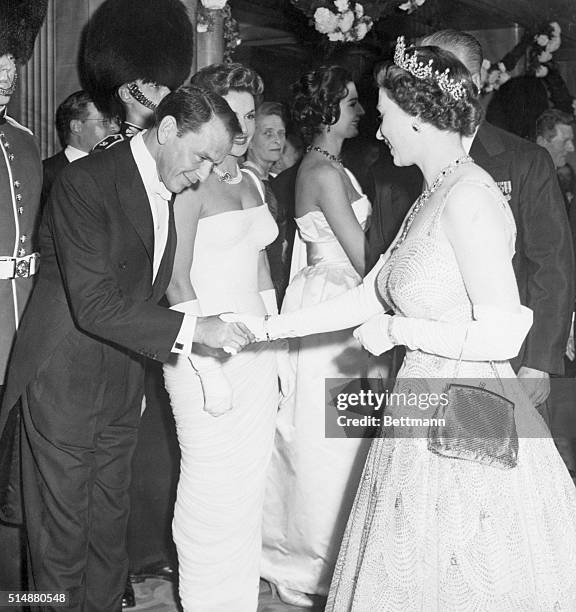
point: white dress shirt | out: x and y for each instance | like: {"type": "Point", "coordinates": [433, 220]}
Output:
{"type": "Point", "coordinates": [72, 153]}
{"type": "Point", "coordinates": [158, 198]}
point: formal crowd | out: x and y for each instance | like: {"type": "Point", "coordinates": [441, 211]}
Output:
{"type": "Point", "coordinates": [187, 222]}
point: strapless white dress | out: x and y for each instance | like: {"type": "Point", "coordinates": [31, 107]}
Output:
{"type": "Point", "coordinates": [313, 479]}
{"type": "Point", "coordinates": [224, 460]}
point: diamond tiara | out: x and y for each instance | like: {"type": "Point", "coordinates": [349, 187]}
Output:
{"type": "Point", "coordinates": [420, 70]}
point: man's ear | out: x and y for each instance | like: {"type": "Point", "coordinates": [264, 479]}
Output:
{"type": "Point", "coordinates": [167, 129]}
{"type": "Point", "coordinates": [124, 94]}
{"type": "Point", "coordinates": [76, 126]}
{"type": "Point", "coordinates": [540, 140]}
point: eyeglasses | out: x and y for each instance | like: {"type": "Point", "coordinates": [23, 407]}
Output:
{"type": "Point", "coordinates": [103, 122]}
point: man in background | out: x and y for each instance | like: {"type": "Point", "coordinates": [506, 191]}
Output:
{"type": "Point", "coordinates": [80, 125]}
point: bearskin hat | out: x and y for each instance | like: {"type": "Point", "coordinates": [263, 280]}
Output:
{"type": "Point", "coordinates": [20, 22]}
{"type": "Point", "coordinates": [125, 40]}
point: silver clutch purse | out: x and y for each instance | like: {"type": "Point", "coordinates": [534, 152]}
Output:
{"type": "Point", "coordinates": [476, 425]}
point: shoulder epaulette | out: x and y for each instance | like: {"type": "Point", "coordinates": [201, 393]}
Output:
{"type": "Point", "coordinates": [108, 142]}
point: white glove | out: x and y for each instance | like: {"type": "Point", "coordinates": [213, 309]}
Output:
{"type": "Point", "coordinates": [215, 385]}
{"type": "Point", "coordinates": [493, 335]}
{"type": "Point", "coordinates": [346, 310]}
{"type": "Point", "coordinates": [286, 373]}
{"type": "Point", "coordinates": [373, 335]}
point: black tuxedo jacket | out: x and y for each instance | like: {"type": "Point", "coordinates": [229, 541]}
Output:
{"type": "Point", "coordinates": [51, 168]}
{"type": "Point", "coordinates": [544, 259]}
{"type": "Point", "coordinates": [95, 280]}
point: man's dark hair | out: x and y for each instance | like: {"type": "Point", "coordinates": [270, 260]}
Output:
{"type": "Point", "coordinates": [74, 107]}
{"type": "Point", "coordinates": [549, 119]}
{"type": "Point", "coordinates": [192, 107]}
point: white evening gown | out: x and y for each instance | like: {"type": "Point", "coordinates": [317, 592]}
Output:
{"type": "Point", "coordinates": [433, 534]}
{"type": "Point", "coordinates": [313, 479]}
{"type": "Point", "coordinates": [224, 460]}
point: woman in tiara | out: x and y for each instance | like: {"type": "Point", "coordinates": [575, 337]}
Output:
{"type": "Point", "coordinates": [225, 413]}
{"type": "Point", "coordinates": [313, 480]}
{"type": "Point", "coordinates": [429, 532]}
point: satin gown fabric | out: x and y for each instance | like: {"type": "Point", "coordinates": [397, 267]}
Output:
{"type": "Point", "coordinates": [433, 534]}
{"type": "Point", "coordinates": [218, 510]}
{"type": "Point", "coordinates": [313, 479]}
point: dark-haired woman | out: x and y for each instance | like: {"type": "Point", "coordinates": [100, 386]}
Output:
{"type": "Point", "coordinates": [429, 532]}
{"type": "Point", "coordinates": [224, 412]}
{"type": "Point", "coordinates": [313, 479]}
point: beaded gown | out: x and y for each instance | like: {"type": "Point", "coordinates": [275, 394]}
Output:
{"type": "Point", "coordinates": [313, 479]}
{"type": "Point", "coordinates": [218, 511]}
{"type": "Point", "coordinates": [433, 534]}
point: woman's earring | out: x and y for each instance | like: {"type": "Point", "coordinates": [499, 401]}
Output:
{"type": "Point", "coordinates": [328, 129]}
{"type": "Point", "coordinates": [415, 127]}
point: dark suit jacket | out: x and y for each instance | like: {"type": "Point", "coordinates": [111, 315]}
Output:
{"type": "Point", "coordinates": [95, 281]}
{"type": "Point", "coordinates": [544, 259]}
{"type": "Point", "coordinates": [51, 168]}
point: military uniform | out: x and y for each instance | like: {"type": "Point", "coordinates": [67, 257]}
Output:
{"type": "Point", "coordinates": [20, 186]}
{"type": "Point", "coordinates": [127, 130]}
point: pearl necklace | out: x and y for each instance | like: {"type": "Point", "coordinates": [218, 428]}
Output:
{"type": "Point", "coordinates": [427, 193]}
{"type": "Point", "coordinates": [334, 158]}
{"type": "Point", "coordinates": [226, 177]}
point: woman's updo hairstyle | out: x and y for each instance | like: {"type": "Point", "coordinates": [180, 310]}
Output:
{"type": "Point", "coordinates": [426, 99]}
{"type": "Point", "coordinates": [222, 78]}
{"type": "Point", "coordinates": [316, 99]}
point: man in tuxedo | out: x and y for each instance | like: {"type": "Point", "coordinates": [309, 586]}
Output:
{"type": "Point", "coordinates": [108, 242]}
{"type": "Point", "coordinates": [80, 125]}
{"type": "Point", "coordinates": [544, 259]}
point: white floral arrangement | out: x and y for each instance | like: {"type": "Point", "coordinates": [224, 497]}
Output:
{"type": "Point", "coordinates": [350, 20]}
{"type": "Point", "coordinates": [545, 43]}
{"type": "Point", "coordinates": [347, 23]}
{"type": "Point", "coordinates": [493, 76]}
{"type": "Point", "coordinates": [214, 5]}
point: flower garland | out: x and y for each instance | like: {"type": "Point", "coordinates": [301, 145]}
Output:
{"type": "Point", "coordinates": [538, 47]}
{"type": "Point", "coordinates": [205, 15]}
{"type": "Point", "coordinates": [349, 20]}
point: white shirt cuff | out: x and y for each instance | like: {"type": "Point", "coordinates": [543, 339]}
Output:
{"type": "Point", "coordinates": [183, 343]}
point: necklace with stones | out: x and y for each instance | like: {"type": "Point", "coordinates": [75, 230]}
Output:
{"type": "Point", "coordinates": [333, 158]}
{"type": "Point", "coordinates": [427, 193]}
{"type": "Point", "coordinates": [226, 177]}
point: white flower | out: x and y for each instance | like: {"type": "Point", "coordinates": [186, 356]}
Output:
{"type": "Point", "coordinates": [361, 29]}
{"type": "Point", "coordinates": [214, 5]}
{"type": "Point", "coordinates": [336, 36]}
{"type": "Point", "coordinates": [541, 39]}
{"type": "Point", "coordinates": [544, 57]}
{"type": "Point", "coordinates": [554, 44]}
{"type": "Point", "coordinates": [346, 21]}
{"type": "Point", "coordinates": [325, 20]}
{"type": "Point", "coordinates": [406, 6]}
{"type": "Point", "coordinates": [556, 30]}
{"type": "Point", "coordinates": [420, 2]}
{"type": "Point", "coordinates": [201, 27]}
{"type": "Point", "coordinates": [503, 77]}
{"type": "Point", "coordinates": [359, 10]}
{"type": "Point", "coordinates": [541, 71]}
{"type": "Point", "coordinates": [501, 67]}
{"type": "Point", "coordinates": [342, 5]}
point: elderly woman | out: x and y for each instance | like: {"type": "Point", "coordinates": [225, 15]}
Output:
{"type": "Point", "coordinates": [454, 523]}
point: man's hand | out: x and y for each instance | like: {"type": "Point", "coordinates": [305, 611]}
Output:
{"type": "Point", "coordinates": [217, 334]}
{"type": "Point", "coordinates": [536, 383]}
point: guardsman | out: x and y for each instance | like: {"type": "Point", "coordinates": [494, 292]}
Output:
{"type": "Point", "coordinates": [20, 185]}
{"type": "Point", "coordinates": [134, 52]}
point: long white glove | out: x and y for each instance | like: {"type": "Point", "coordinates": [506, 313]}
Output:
{"type": "Point", "coordinates": [346, 310]}
{"type": "Point", "coordinates": [217, 390]}
{"type": "Point", "coordinates": [494, 334]}
{"type": "Point", "coordinates": [286, 373]}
